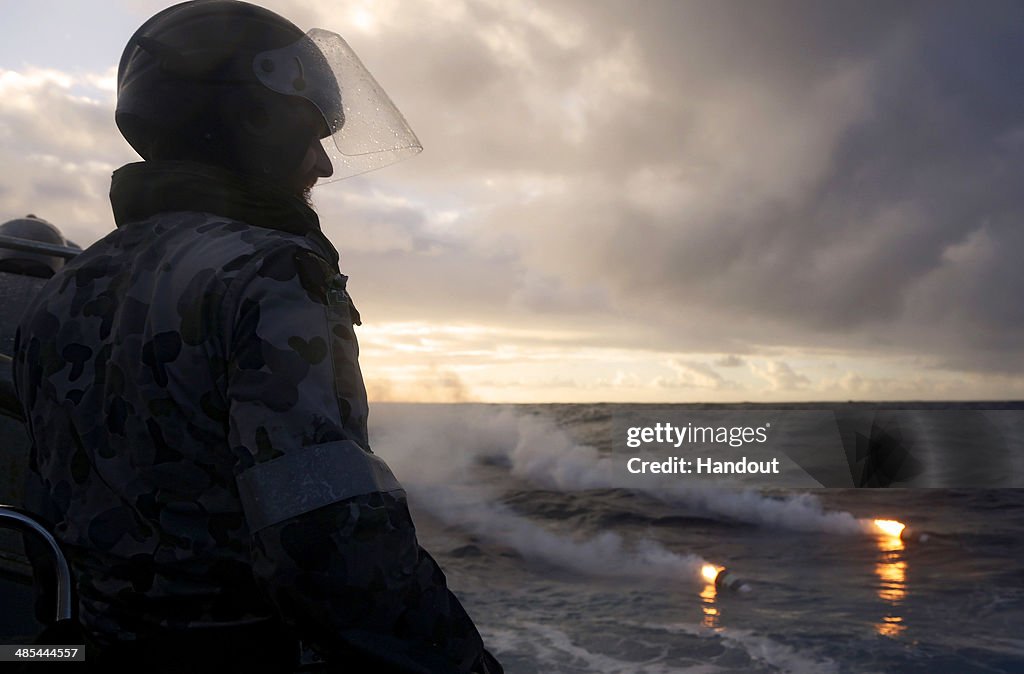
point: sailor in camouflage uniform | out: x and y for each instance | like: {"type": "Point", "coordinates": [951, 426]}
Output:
{"type": "Point", "coordinates": [192, 387]}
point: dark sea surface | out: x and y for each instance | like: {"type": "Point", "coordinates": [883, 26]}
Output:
{"type": "Point", "coordinates": [565, 573]}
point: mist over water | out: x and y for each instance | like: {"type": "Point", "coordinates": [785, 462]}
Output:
{"type": "Point", "coordinates": [434, 451]}
{"type": "Point", "coordinates": [563, 572]}
{"type": "Point", "coordinates": [451, 439]}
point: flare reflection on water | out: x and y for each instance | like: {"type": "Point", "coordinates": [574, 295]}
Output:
{"type": "Point", "coordinates": [891, 570]}
{"type": "Point", "coordinates": [709, 595]}
{"type": "Point", "coordinates": [711, 612]}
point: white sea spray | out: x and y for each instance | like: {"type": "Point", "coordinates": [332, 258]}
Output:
{"type": "Point", "coordinates": [440, 444]}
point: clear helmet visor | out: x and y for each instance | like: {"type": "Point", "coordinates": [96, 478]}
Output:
{"type": "Point", "coordinates": [365, 131]}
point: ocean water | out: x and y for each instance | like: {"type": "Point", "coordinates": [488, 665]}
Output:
{"type": "Point", "coordinates": [564, 573]}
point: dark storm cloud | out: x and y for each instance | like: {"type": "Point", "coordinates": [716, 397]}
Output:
{"type": "Point", "coordinates": [719, 176]}
{"type": "Point", "coordinates": [841, 174]}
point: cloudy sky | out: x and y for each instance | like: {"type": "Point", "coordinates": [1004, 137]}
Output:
{"type": "Point", "coordinates": [630, 201]}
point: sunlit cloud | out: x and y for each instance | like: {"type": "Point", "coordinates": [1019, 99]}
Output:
{"type": "Point", "coordinates": [624, 205]}
{"type": "Point", "coordinates": [780, 376]}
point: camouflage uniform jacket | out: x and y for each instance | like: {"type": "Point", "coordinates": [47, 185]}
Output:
{"type": "Point", "coordinates": [208, 337]}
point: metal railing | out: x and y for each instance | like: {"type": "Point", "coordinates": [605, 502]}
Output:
{"type": "Point", "coordinates": [13, 518]}
{"type": "Point", "coordinates": [30, 246]}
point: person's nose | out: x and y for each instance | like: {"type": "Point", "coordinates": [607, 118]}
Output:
{"type": "Point", "coordinates": [323, 167]}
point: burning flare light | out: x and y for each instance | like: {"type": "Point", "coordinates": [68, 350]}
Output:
{"type": "Point", "coordinates": [890, 527]}
{"type": "Point", "coordinates": [710, 572]}
{"type": "Point", "coordinates": [723, 579]}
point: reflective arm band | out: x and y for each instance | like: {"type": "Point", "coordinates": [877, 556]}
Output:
{"type": "Point", "coordinates": [310, 478]}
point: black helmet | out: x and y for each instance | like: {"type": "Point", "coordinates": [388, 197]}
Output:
{"type": "Point", "coordinates": [234, 84]}
{"type": "Point", "coordinates": [186, 89]}
{"type": "Point", "coordinates": [32, 228]}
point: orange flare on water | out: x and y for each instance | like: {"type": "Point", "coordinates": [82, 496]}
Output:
{"type": "Point", "coordinates": [890, 527]}
{"type": "Point", "coordinates": [710, 572]}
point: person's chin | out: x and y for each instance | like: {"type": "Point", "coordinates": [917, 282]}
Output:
{"type": "Point", "coordinates": [304, 190]}
{"type": "Point", "coordinates": [306, 194]}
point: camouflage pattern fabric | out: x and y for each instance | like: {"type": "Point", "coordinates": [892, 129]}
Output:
{"type": "Point", "coordinates": [211, 332]}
